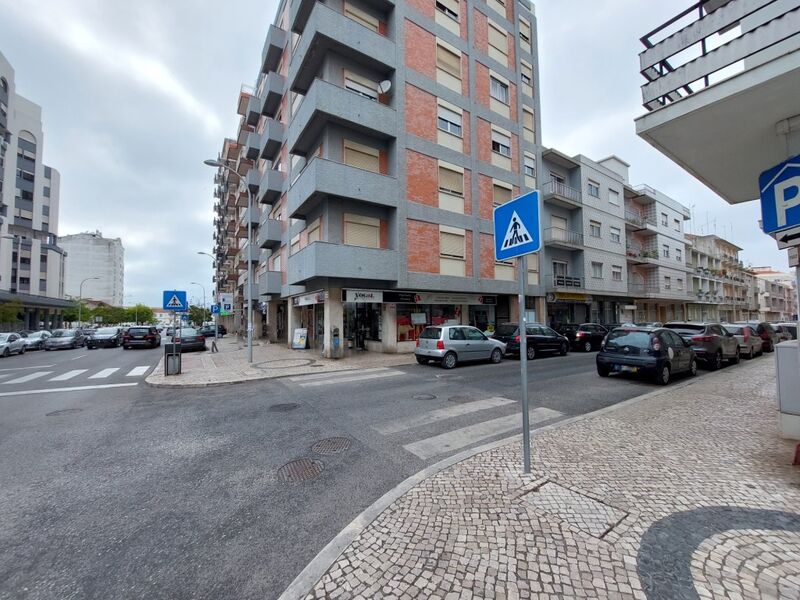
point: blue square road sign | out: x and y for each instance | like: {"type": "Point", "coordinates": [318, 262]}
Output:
{"type": "Point", "coordinates": [517, 227]}
{"type": "Point", "coordinates": [175, 300]}
{"type": "Point", "coordinates": [215, 309]}
{"type": "Point", "coordinates": [780, 196]}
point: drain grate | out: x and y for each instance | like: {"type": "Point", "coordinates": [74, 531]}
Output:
{"type": "Point", "coordinates": [332, 445]}
{"type": "Point", "coordinates": [424, 397]}
{"type": "Point", "coordinates": [302, 469]}
{"type": "Point", "coordinates": [283, 407]}
{"type": "Point", "coordinates": [63, 411]}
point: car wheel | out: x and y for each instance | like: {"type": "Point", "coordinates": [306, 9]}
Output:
{"type": "Point", "coordinates": [47, 349]}
{"type": "Point", "coordinates": [749, 355]}
{"type": "Point", "coordinates": [587, 347]}
{"type": "Point", "coordinates": [603, 371]}
{"type": "Point", "coordinates": [736, 357]}
{"type": "Point", "coordinates": [497, 356]}
{"type": "Point", "coordinates": [449, 361]}
{"type": "Point", "coordinates": [74, 345]}
{"type": "Point", "coordinates": [530, 352]}
{"type": "Point", "coordinates": [563, 350]}
{"type": "Point", "coordinates": [663, 377]}
{"type": "Point", "coordinates": [22, 350]}
{"type": "Point", "coordinates": [126, 347]}
{"type": "Point", "coordinates": [6, 353]}
{"type": "Point", "coordinates": [715, 364]}
{"type": "Point", "coordinates": [693, 367]}
{"type": "Point", "coordinates": [422, 360]}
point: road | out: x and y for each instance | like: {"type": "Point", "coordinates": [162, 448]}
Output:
{"type": "Point", "coordinates": [141, 492]}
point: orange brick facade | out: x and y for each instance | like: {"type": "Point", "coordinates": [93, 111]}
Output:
{"type": "Point", "coordinates": [420, 113]}
{"type": "Point", "coordinates": [420, 50]}
{"type": "Point", "coordinates": [422, 173]}
{"type": "Point", "coordinates": [423, 246]}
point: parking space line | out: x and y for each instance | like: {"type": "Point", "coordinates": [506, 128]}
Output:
{"type": "Point", "coordinates": [26, 378]}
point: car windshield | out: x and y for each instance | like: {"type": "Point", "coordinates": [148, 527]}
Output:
{"type": "Point", "coordinates": [625, 337]}
{"type": "Point", "coordinates": [107, 330]}
{"type": "Point", "coordinates": [36, 334]}
{"type": "Point", "coordinates": [506, 329]}
{"type": "Point", "coordinates": [686, 328]}
{"type": "Point", "coordinates": [3, 337]}
{"type": "Point", "coordinates": [187, 331]}
{"type": "Point", "coordinates": [431, 333]}
{"type": "Point", "coordinates": [64, 333]}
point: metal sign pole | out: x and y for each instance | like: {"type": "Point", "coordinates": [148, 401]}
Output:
{"type": "Point", "coordinates": [523, 365]}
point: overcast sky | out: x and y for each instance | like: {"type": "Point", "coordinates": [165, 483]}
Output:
{"type": "Point", "coordinates": [136, 95]}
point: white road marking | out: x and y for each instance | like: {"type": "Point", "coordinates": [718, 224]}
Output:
{"type": "Point", "coordinates": [440, 415]}
{"type": "Point", "coordinates": [26, 378]}
{"type": "Point", "coordinates": [26, 368]}
{"type": "Point", "coordinates": [333, 374]}
{"type": "Point", "coordinates": [353, 378]}
{"type": "Point", "coordinates": [78, 388]}
{"type": "Point", "coordinates": [68, 375]}
{"type": "Point", "coordinates": [104, 373]}
{"type": "Point", "coordinates": [460, 438]}
{"type": "Point", "coordinates": [77, 357]}
{"type": "Point", "coordinates": [137, 371]}
{"type": "Point", "coordinates": [4, 375]}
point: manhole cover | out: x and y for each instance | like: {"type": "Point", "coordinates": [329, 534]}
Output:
{"type": "Point", "coordinates": [63, 411]}
{"type": "Point", "coordinates": [299, 470]}
{"type": "Point", "coordinates": [332, 445]}
{"type": "Point", "coordinates": [283, 407]}
{"type": "Point", "coordinates": [460, 399]}
{"type": "Point", "coordinates": [424, 397]}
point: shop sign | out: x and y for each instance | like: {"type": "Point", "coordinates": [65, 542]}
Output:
{"type": "Point", "coordinates": [308, 299]}
{"type": "Point", "coordinates": [363, 296]}
{"type": "Point", "coordinates": [300, 339]}
{"type": "Point", "coordinates": [629, 307]}
{"type": "Point", "coordinates": [566, 296]}
{"type": "Point", "coordinates": [436, 298]}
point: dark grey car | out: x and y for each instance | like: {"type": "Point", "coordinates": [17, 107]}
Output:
{"type": "Point", "coordinates": [711, 342]}
{"type": "Point", "coordinates": [64, 338]}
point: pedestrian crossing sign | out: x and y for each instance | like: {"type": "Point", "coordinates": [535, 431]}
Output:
{"type": "Point", "coordinates": [175, 300]}
{"type": "Point", "coordinates": [517, 229]}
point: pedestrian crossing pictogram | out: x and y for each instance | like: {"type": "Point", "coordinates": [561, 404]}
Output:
{"type": "Point", "coordinates": [174, 302]}
{"type": "Point", "coordinates": [517, 234]}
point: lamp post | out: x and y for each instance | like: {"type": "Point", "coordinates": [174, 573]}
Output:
{"type": "Point", "coordinates": [216, 299]}
{"type": "Point", "coordinates": [221, 165]}
{"type": "Point", "coordinates": [80, 297]}
{"type": "Point", "coordinates": [204, 297]}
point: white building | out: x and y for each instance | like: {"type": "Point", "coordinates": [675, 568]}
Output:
{"type": "Point", "coordinates": [31, 262]}
{"type": "Point", "coordinates": [91, 255]}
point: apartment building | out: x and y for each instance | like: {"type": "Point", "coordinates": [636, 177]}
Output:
{"type": "Point", "coordinates": [98, 262]}
{"type": "Point", "coordinates": [374, 144]}
{"type": "Point", "coordinates": [31, 262]}
{"type": "Point", "coordinates": [777, 295]}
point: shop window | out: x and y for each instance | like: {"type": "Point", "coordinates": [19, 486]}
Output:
{"type": "Point", "coordinates": [362, 231]}
{"type": "Point", "coordinates": [361, 156]}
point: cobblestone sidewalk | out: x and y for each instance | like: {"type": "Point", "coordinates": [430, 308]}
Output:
{"type": "Point", "coordinates": [229, 365]}
{"type": "Point", "coordinates": [686, 494]}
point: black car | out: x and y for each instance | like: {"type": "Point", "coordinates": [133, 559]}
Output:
{"type": "Point", "coordinates": [208, 330]}
{"type": "Point", "coordinates": [586, 336]}
{"type": "Point", "coordinates": [105, 337]}
{"type": "Point", "coordinates": [541, 339]}
{"type": "Point", "coordinates": [653, 351]}
{"type": "Point", "coordinates": [190, 339]}
{"type": "Point", "coordinates": [141, 337]}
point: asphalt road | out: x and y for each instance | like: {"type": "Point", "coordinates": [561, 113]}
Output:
{"type": "Point", "coordinates": [138, 492]}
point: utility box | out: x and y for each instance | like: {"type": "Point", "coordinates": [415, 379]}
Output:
{"type": "Point", "coordinates": [788, 376]}
{"type": "Point", "coordinates": [172, 359]}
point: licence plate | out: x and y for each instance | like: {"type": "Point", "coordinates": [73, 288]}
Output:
{"type": "Point", "coordinates": [626, 369]}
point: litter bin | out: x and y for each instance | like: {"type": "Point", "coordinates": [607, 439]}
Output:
{"type": "Point", "coordinates": [172, 359]}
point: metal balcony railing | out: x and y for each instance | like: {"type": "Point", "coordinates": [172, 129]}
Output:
{"type": "Point", "coordinates": [563, 190]}
{"type": "Point", "coordinates": [564, 282]}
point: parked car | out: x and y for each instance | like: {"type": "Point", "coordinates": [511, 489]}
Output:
{"type": "Point", "coordinates": [749, 341]}
{"type": "Point", "coordinates": [791, 328]}
{"type": "Point", "coordinates": [586, 336]}
{"type": "Point", "coordinates": [784, 335]}
{"type": "Point", "coordinates": [541, 339]}
{"type": "Point", "coordinates": [653, 351]}
{"type": "Point", "coordinates": [765, 330]}
{"type": "Point", "coordinates": [108, 337]}
{"type": "Point", "coordinates": [651, 324]}
{"type": "Point", "coordinates": [35, 340]}
{"type": "Point", "coordinates": [208, 330]}
{"type": "Point", "coordinates": [190, 339]}
{"type": "Point", "coordinates": [712, 343]}
{"type": "Point", "coordinates": [451, 344]}
{"type": "Point", "coordinates": [142, 336]}
{"type": "Point", "coordinates": [10, 343]}
{"type": "Point", "coordinates": [64, 338]}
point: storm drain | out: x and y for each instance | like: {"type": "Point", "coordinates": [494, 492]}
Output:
{"type": "Point", "coordinates": [587, 514]}
{"type": "Point", "coordinates": [302, 469]}
{"type": "Point", "coordinates": [424, 397]}
{"type": "Point", "coordinates": [332, 445]}
{"type": "Point", "coordinates": [283, 407]}
{"type": "Point", "coordinates": [63, 411]}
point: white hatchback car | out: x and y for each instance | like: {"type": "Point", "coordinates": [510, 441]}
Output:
{"type": "Point", "coordinates": [450, 344]}
{"type": "Point", "coordinates": [10, 343]}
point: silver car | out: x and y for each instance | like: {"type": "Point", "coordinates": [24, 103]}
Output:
{"type": "Point", "coordinates": [749, 341]}
{"type": "Point", "coordinates": [10, 343]}
{"type": "Point", "coordinates": [451, 344]}
{"type": "Point", "coordinates": [36, 339]}
{"type": "Point", "coordinates": [64, 338]}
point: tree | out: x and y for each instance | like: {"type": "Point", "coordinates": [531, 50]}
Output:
{"type": "Point", "coordinates": [199, 315]}
{"type": "Point", "coordinates": [71, 313]}
{"type": "Point", "coordinates": [9, 311]}
{"type": "Point", "coordinates": [139, 314]}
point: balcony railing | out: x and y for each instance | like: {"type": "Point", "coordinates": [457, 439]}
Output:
{"type": "Point", "coordinates": [562, 190]}
{"type": "Point", "coordinates": [556, 282]}
{"type": "Point", "coordinates": [563, 237]}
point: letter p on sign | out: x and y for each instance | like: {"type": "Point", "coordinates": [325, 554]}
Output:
{"type": "Point", "coordinates": [787, 195]}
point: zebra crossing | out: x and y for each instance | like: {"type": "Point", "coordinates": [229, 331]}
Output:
{"type": "Point", "coordinates": [71, 375]}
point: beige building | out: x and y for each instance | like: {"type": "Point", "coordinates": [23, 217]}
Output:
{"type": "Point", "coordinates": [777, 295]}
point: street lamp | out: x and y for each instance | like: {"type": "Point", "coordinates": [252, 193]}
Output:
{"type": "Point", "coordinates": [216, 300]}
{"type": "Point", "coordinates": [80, 297]}
{"type": "Point", "coordinates": [221, 165]}
{"type": "Point", "coordinates": [204, 296]}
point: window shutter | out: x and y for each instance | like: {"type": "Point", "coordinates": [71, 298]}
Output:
{"type": "Point", "coordinates": [527, 119]}
{"type": "Point", "coordinates": [501, 194]}
{"type": "Point", "coordinates": [527, 70]}
{"type": "Point", "coordinates": [361, 159]}
{"type": "Point", "coordinates": [498, 39]}
{"type": "Point", "coordinates": [313, 235]}
{"type": "Point", "coordinates": [448, 61]}
{"type": "Point", "coordinates": [525, 29]}
{"type": "Point", "coordinates": [559, 222]}
{"type": "Point", "coordinates": [362, 231]}
{"type": "Point", "coordinates": [359, 15]}
{"type": "Point", "coordinates": [501, 138]}
{"type": "Point", "coordinates": [451, 181]}
{"type": "Point", "coordinates": [533, 262]}
{"type": "Point", "coordinates": [451, 245]}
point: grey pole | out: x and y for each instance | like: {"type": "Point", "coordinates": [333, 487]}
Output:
{"type": "Point", "coordinates": [249, 276]}
{"type": "Point", "coordinates": [216, 301]}
{"type": "Point", "coordinates": [523, 365]}
{"type": "Point", "coordinates": [80, 293]}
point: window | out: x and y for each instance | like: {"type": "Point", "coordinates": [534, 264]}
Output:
{"type": "Point", "coordinates": [665, 251]}
{"type": "Point", "coordinates": [362, 231]}
{"type": "Point", "coordinates": [594, 189]}
{"type": "Point", "coordinates": [676, 224]}
{"type": "Point", "coordinates": [498, 90]}
{"type": "Point", "coordinates": [276, 262]}
{"type": "Point", "coordinates": [448, 61]}
{"type": "Point", "coordinates": [525, 33]}
{"type": "Point", "coordinates": [314, 232]}
{"type": "Point", "coordinates": [46, 192]}
{"type": "Point", "coordinates": [498, 5]}
{"type": "Point", "coordinates": [449, 121]}
{"type": "Point", "coordinates": [664, 220]}
{"type": "Point", "coordinates": [451, 182]}
{"type": "Point", "coordinates": [448, 8]}
{"type": "Point", "coordinates": [615, 235]}
{"type": "Point", "coordinates": [361, 86]}
{"type": "Point", "coordinates": [595, 229]}
{"type": "Point", "coordinates": [530, 165]}
{"type": "Point", "coordinates": [616, 272]}
{"type": "Point", "coordinates": [613, 197]}
{"type": "Point", "coordinates": [451, 245]}
{"type": "Point", "coordinates": [678, 255]}
{"type": "Point", "coordinates": [498, 43]}
{"type": "Point", "coordinates": [680, 284]}
{"type": "Point", "coordinates": [362, 17]}
{"type": "Point", "coordinates": [501, 194]}
{"type": "Point", "coordinates": [526, 75]}
{"type": "Point", "coordinates": [527, 125]}
{"type": "Point", "coordinates": [558, 222]}
{"type": "Point", "coordinates": [294, 245]}
{"type": "Point", "coordinates": [363, 157]}
{"type": "Point", "coordinates": [597, 270]}
{"type": "Point", "coordinates": [667, 282]}
{"type": "Point", "coordinates": [501, 143]}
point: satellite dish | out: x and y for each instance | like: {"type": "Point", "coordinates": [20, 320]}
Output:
{"type": "Point", "coordinates": [384, 86]}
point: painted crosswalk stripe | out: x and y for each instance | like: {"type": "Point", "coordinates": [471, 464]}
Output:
{"type": "Point", "coordinates": [440, 415]}
{"type": "Point", "coordinates": [104, 373]}
{"type": "Point", "coordinates": [336, 380]}
{"type": "Point", "coordinates": [27, 378]}
{"type": "Point", "coordinates": [137, 371]}
{"type": "Point", "coordinates": [4, 375]}
{"type": "Point", "coordinates": [60, 390]}
{"type": "Point", "coordinates": [461, 438]}
{"type": "Point", "coordinates": [68, 375]}
{"type": "Point", "coordinates": [334, 374]}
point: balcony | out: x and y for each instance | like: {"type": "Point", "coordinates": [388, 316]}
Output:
{"type": "Point", "coordinates": [635, 221]}
{"type": "Point", "coordinates": [328, 31]}
{"type": "Point", "coordinates": [561, 194]}
{"type": "Point", "coordinates": [271, 186]}
{"type": "Point", "coordinates": [273, 49]}
{"type": "Point", "coordinates": [270, 93]}
{"type": "Point", "coordinates": [245, 93]}
{"type": "Point", "coordinates": [271, 139]}
{"type": "Point", "coordinates": [562, 238]}
{"type": "Point", "coordinates": [269, 283]}
{"type": "Point", "coordinates": [323, 259]}
{"type": "Point", "coordinates": [252, 146]}
{"type": "Point", "coordinates": [253, 112]}
{"type": "Point", "coordinates": [718, 109]}
{"type": "Point", "coordinates": [641, 290]}
{"type": "Point", "coordinates": [564, 282]}
{"type": "Point", "coordinates": [328, 103]}
{"type": "Point", "coordinates": [251, 215]}
{"type": "Point", "coordinates": [323, 178]}
{"type": "Point", "coordinates": [270, 234]}
{"type": "Point", "coordinates": [301, 9]}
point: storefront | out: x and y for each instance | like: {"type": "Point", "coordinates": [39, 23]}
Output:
{"type": "Point", "coordinates": [310, 316]}
{"type": "Point", "coordinates": [565, 307]}
{"type": "Point", "coordinates": [608, 310]}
